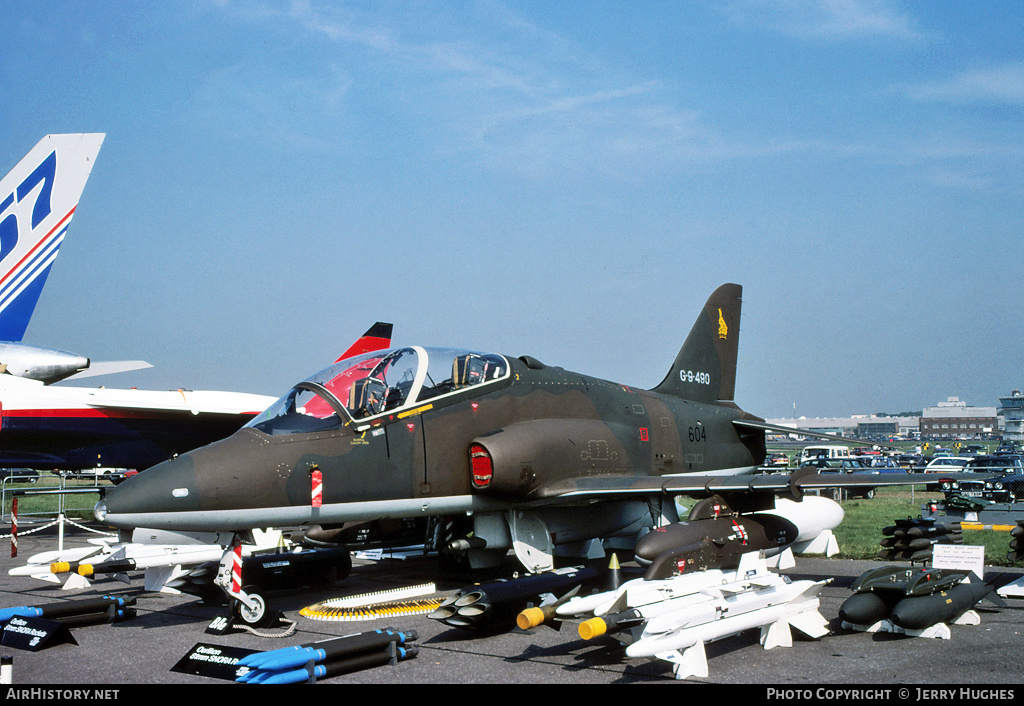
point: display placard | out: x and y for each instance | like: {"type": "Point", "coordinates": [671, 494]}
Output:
{"type": "Point", "coordinates": [34, 634]}
{"type": "Point", "coordinates": [959, 556]}
{"type": "Point", "coordinates": [214, 661]}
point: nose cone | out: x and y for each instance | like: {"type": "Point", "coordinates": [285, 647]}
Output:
{"type": "Point", "coordinates": [229, 485]}
{"type": "Point", "coordinates": [812, 515]}
{"type": "Point", "coordinates": [168, 487]}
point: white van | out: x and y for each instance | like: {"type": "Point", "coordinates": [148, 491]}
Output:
{"type": "Point", "coordinates": [812, 452]}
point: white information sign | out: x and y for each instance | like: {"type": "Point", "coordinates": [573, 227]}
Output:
{"type": "Point", "coordinates": [959, 556]}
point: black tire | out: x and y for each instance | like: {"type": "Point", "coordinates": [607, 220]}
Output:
{"type": "Point", "coordinates": [257, 616]}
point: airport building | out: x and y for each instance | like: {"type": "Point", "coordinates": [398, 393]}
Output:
{"type": "Point", "coordinates": [856, 427]}
{"type": "Point", "coordinates": [954, 419]}
{"type": "Point", "coordinates": [1011, 408]}
{"type": "Point", "coordinates": [946, 420]}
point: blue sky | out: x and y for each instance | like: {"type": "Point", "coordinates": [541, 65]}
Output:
{"type": "Point", "coordinates": [566, 180]}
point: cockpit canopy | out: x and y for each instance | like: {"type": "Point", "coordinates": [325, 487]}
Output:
{"type": "Point", "coordinates": [377, 383]}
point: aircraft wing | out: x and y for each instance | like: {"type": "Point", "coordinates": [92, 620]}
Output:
{"type": "Point", "coordinates": [702, 485]}
{"type": "Point", "coordinates": [193, 401]}
{"type": "Point", "coordinates": [109, 368]}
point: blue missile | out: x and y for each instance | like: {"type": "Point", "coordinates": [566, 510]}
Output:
{"type": "Point", "coordinates": [299, 655]}
{"type": "Point", "coordinates": [86, 619]}
{"type": "Point", "coordinates": [255, 677]}
{"type": "Point", "coordinates": [294, 676]}
{"type": "Point", "coordinates": [56, 611]}
{"type": "Point", "coordinates": [321, 671]}
{"type": "Point", "coordinates": [257, 658]}
{"type": "Point", "coordinates": [292, 660]}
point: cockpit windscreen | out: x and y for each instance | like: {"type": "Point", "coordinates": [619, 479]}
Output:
{"type": "Point", "coordinates": [376, 383]}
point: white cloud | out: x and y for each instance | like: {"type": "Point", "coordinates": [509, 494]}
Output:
{"type": "Point", "coordinates": [999, 84]}
{"type": "Point", "coordinates": [526, 99]}
{"type": "Point", "coordinates": [829, 20]}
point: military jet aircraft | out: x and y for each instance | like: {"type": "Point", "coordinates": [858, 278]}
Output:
{"type": "Point", "coordinates": [510, 452]}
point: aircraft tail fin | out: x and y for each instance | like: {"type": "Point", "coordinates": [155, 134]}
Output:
{"type": "Point", "coordinates": [37, 200]}
{"type": "Point", "coordinates": [376, 338]}
{"type": "Point", "coordinates": [705, 368]}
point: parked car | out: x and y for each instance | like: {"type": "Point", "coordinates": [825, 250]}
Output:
{"type": "Point", "coordinates": [1001, 479]}
{"type": "Point", "coordinates": [18, 475]}
{"type": "Point", "coordinates": [810, 453]}
{"type": "Point", "coordinates": [910, 462]}
{"type": "Point", "coordinates": [1004, 464]}
{"type": "Point", "coordinates": [997, 489]}
{"type": "Point", "coordinates": [777, 460]}
{"type": "Point", "coordinates": [884, 464]}
{"type": "Point", "coordinates": [1008, 488]}
{"type": "Point", "coordinates": [946, 464]}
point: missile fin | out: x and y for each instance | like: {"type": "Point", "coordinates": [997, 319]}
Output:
{"type": "Point", "coordinates": [776, 634]}
{"type": "Point", "coordinates": [620, 604]}
{"type": "Point", "coordinates": [751, 563]}
{"type": "Point", "coordinates": [75, 581]}
{"type": "Point", "coordinates": [157, 577]}
{"type": "Point", "coordinates": [811, 591]}
{"type": "Point", "coordinates": [785, 560]}
{"type": "Point", "coordinates": [810, 623]}
{"type": "Point", "coordinates": [691, 662]}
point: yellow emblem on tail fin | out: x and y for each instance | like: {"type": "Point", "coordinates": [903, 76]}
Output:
{"type": "Point", "coordinates": [723, 330]}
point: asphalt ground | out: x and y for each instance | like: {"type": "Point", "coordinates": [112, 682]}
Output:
{"type": "Point", "coordinates": [145, 650]}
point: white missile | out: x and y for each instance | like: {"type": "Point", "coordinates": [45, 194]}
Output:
{"type": "Point", "coordinates": [679, 636]}
{"type": "Point", "coordinates": [641, 592]}
{"type": "Point", "coordinates": [164, 564]}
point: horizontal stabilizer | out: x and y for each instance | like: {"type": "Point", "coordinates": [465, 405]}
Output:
{"type": "Point", "coordinates": [765, 426]}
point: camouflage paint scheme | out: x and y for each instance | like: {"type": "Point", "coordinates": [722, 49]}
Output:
{"type": "Point", "coordinates": [551, 442]}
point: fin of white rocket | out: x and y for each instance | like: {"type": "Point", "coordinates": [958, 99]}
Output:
{"type": "Point", "coordinates": [691, 662]}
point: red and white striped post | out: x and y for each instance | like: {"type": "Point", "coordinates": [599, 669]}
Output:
{"type": "Point", "coordinates": [236, 568]}
{"type": "Point", "coordinates": [317, 485]}
{"type": "Point", "coordinates": [14, 526]}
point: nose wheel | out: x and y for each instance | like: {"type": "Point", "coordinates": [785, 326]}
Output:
{"type": "Point", "coordinates": [251, 608]}
{"type": "Point", "coordinates": [248, 603]}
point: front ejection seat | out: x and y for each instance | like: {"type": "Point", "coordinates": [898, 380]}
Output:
{"type": "Point", "coordinates": [366, 396]}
